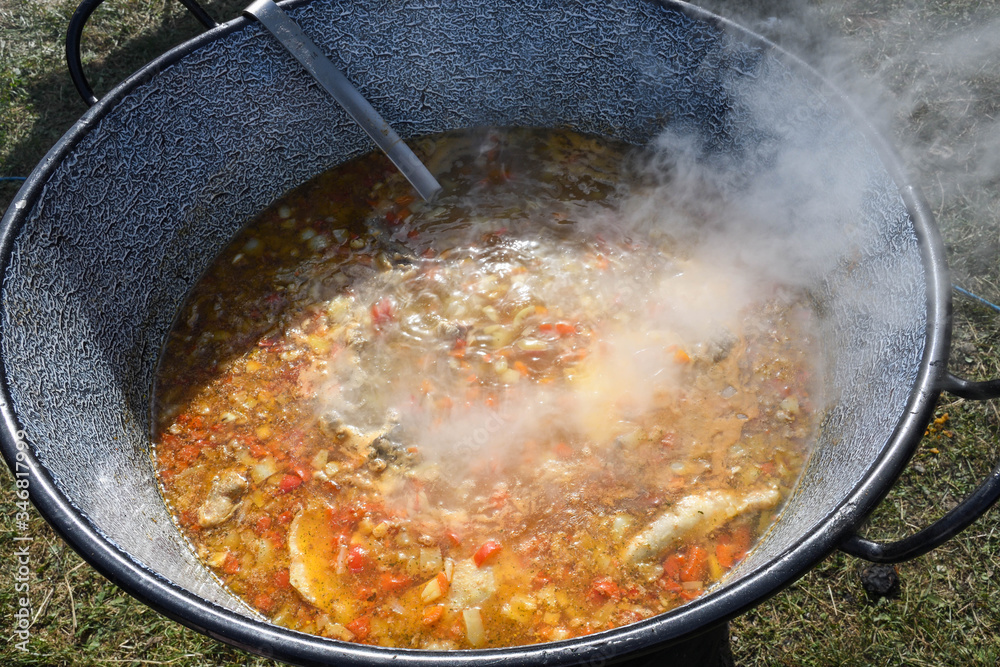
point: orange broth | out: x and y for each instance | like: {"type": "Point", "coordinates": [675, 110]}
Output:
{"type": "Point", "coordinates": [488, 421]}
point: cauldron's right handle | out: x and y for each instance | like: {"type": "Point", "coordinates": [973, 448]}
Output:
{"type": "Point", "coordinates": [75, 31]}
{"type": "Point", "coordinates": [954, 521]}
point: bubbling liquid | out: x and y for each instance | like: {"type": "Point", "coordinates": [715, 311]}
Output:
{"type": "Point", "coordinates": [512, 416]}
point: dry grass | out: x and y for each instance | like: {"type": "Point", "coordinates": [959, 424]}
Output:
{"type": "Point", "coordinates": [946, 613]}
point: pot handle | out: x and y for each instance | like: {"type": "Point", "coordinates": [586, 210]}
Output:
{"type": "Point", "coordinates": [952, 523]}
{"type": "Point", "coordinates": [75, 31]}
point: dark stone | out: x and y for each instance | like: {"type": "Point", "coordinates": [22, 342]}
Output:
{"type": "Point", "coordinates": [880, 581]}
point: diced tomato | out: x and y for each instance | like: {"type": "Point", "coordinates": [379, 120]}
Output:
{"type": "Point", "coordinates": [732, 546]}
{"type": "Point", "coordinates": [604, 588]}
{"type": "Point", "coordinates": [432, 614]}
{"type": "Point", "coordinates": [262, 525]}
{"type": "Point", "coordinates": [563, 450]}
{"type": "Point", "coordinates": [695, 564]}
{"type": "Point", "coordinates": [286, 517]}
{"type": "Point", "coordinates": [489, 549]}
{"type": "Point", "coordinates": [281, 580]}
{"type": "Point", "coordinates": [727, 554]}
{"type": "Point", "coordinates": [672, 566]}
{"type": "Point", "coordinates": [357, 558]}
{"type": "Point", "coordinates": [302, 470]}
{"type": "Point", "coordinates": [231, 565]}
{"type": "Point", "coordinates": [689, 594]}
{"type": "Point", "coordinates": [187, 454]}
{"type": "Point", "coordinates": [383, 311]}
{"type": "Point", "coordinates": [361, 627]}
{"type": "Point", "coordinates": [453, 537]}
{"type": "Point", "coordinates": [540, 580]}
{"type": "Point", "coordinates": [565, 328]}
{"type": "Point", "coordinates": [264, 602]}
{"type": "Point", "coordinates": [690, 565]}
{"type": "Point", "coordinates": [458, 349]}
{"type": "Point", "coordinates": [258, 451]}
{"type": "Point", "coordinates": [289, 482]}
{"type": "Point", "coordinates": [390, 581]}
{"type": "Point", "coordinates": [671, 585]}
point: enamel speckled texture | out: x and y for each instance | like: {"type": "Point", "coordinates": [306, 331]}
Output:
{"type": "Point", "coordinates": [134, 212]}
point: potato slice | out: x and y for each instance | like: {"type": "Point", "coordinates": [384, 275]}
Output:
{"type": "Point", "coordinates": [312, 572]}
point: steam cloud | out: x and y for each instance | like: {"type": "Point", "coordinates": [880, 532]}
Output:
{"type": "Point", "coordinates": [747, 232]}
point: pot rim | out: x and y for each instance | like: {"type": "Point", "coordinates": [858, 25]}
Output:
{"type": "Point", "coordinates": [608, 646]}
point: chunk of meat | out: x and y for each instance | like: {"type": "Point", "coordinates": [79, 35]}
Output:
{"type": "Point", "coordinates": [223, 498]}
{"type": "Point", "coordinates": [703, 512]}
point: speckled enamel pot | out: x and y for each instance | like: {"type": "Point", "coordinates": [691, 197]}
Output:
{"type": "Point", "coordinates": [112, 229]}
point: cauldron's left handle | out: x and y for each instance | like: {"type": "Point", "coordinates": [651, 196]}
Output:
{"type": "Point", "coordinates": [75, 31]}
{"type": "Point", "coordinates": [952, 523]}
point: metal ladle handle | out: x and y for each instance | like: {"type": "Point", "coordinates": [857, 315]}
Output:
{"type": "Point", "coordinates": [288, 32]}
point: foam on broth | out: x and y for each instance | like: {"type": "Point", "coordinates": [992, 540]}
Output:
{"type": "Point", "coordinates": [508, 417]}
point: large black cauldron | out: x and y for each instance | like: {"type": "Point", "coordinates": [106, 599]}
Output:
{"type": "Point", "coordinates": [112, 229]}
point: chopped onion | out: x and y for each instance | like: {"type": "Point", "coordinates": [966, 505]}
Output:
{"type": "Point", "coordinates": [341, 567]}
{"type": "Point", "coordinates": [620, 525]}
{"type": "Point", "coordinates": [532, 344]}
{"type": "Point", "coordinates": [430, 559]}
{"type": "Point", "coordinates": [263, 470]}
{"type": "Point", "coordinates": [521, 314]}
{"type": "Point", "coordinates": [320, 459]}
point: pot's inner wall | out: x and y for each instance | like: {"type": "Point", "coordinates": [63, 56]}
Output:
{"type": "Point", "coordinates": [131, 217]}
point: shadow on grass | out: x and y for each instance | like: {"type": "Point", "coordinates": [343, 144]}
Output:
{"type": "Point", "coordinates": [120, 38]}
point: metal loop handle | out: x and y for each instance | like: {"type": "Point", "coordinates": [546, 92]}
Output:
{"type": "Point", "coordinates": [952, 523]}
{"type": "Point", "coordinates": [75, 32]}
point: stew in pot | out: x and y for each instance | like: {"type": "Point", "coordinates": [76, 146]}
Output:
{"type": "Point", "coordinates": [523, 413]}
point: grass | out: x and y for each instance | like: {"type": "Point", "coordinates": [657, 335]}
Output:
{"type": "Point", "coordinates": [946, 612]}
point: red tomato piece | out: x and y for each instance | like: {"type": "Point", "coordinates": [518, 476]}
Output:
{"type": "Point", "coordinates": [432, 614]}
{"type": "Point", "coordinates": [231, 565]}
{"type": "Point", "coordinates": [361, 627]}
{"type": "Point", "coordinates": [565, 328]}
{"type": "Point", "coordinates": [357, 558]}
{"type": "Point", "coordinates": [264, 602]}
{"type": "Point", "coordinates": [281, 580]}
{"type": "Point", "coordinates": [289, 482]}
{"type": "Point", "coordinates": [262, 524]}
{"type": "Point", "coordinates": [604, 588]}
{"type": "Point", "coordinates": [489, 549]}
{"type": "Point", "coordinates": [383, 311]}
{"type": "Point", "coordinates": [695, 566]}
{"type": "Point", "coordinates": [672, 566]}
{"type": "Point", "coordinates": [390, 581]}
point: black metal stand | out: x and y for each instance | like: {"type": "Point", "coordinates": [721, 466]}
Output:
{"type": "Point", "coordinates": [710, 649]}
